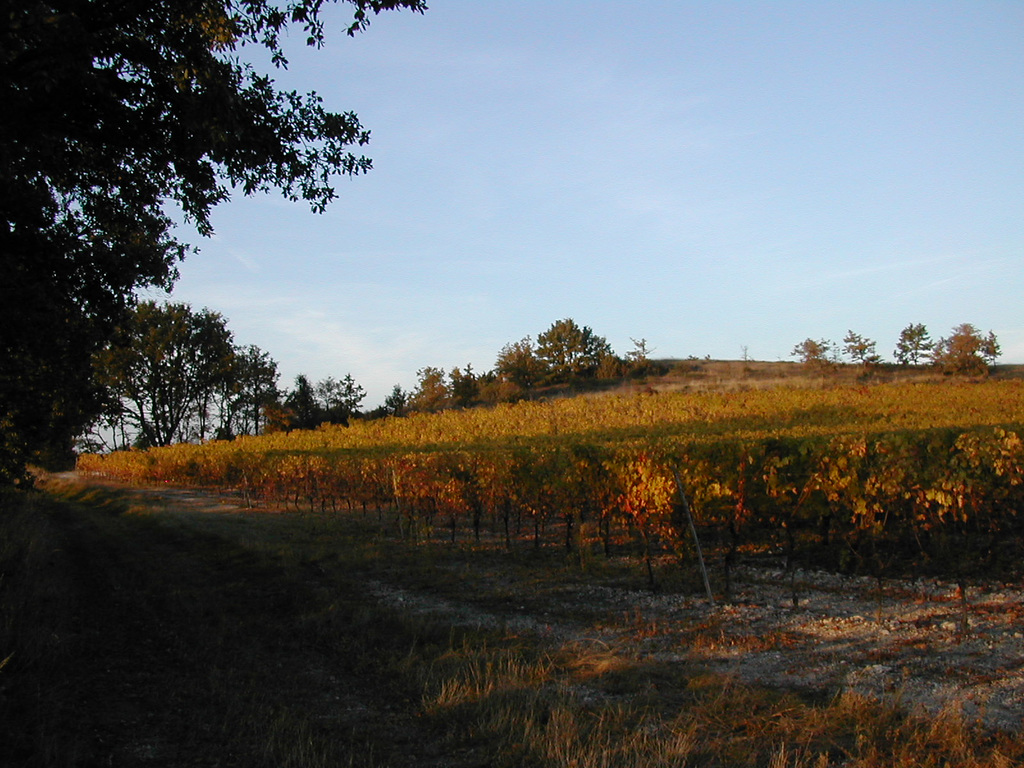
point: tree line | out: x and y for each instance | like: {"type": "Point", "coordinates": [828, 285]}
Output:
{"type": "Point", "coordinates": [966, 351]}
{"type": "Point", "coordinates": [116, 113]}
{"type": "Point", "coordinates": [565, 355]}
{"type": "Point", "coordinates": [171, 374]}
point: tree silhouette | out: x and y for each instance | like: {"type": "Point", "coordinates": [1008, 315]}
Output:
{"type": "Point", "coordinates": [113, 111]}
{"type": "Point", "coordinates": [164, 369]}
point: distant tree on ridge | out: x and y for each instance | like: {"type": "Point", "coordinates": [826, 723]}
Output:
{"type": "Point", "coordinates": [914, 345]}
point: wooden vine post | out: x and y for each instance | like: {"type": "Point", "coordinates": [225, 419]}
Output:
{"type": "Point", "coordinates": [693, 532]}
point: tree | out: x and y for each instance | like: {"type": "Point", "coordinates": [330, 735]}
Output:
{"type": "Point", "coordinates": [250, 391]}
{"type": "Point", "coordinates": [464, 386]}
{"type": "Point", "coordinates": [639, 359]}
{"type": "Point", "coordinates": [914, 345]}
{"type": "Point", "coordinates": [814, 353]}
{"type": "Point", "coordinates": [431, 393]}
{"type": "Point", "coordinates": [518, 363]}
{"type": "Point", "coordinates": [228, 393]}
{"type": "Point", "coordinates": [860, 349]}
{"type": "Point", "coordinates": [395, 403]}
{"type": "Point", "coordinates": [339, 400]}
{"type": "Point", "coordinates": [113, 111]}
{"type": "Point", "coordinates": [611, 367]}
{"type": "Point", "coordinates": [966, 351]}
{"type": "Point", "coordinates": [327, 402]}
{"type": "Point", "coordinates": [570, 351]}
{"type": "Point", "coordinates": [163, 370]}
{"type": "Point", "coordinates": [303, 406]}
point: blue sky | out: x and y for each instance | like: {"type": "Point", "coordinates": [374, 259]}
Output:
{"type": "Point", "coordinates": [708, 176]}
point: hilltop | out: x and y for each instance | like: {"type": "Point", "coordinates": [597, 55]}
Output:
{"type": "Point", "coordinates": [706, 375]}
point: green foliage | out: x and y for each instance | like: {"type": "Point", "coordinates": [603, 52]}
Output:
{"type": "Point", "coordinates": [914, 345]}
{"type": "Point", "coordinates": [396, 402]}
{"type": "Point", "coordinates": [519, 364]}
{"type": "Point", "coordinates": [249, 392]}
{"type": "Point", "coordinates": [638, 361]}
{"type": "Point", "coordinates": [860, 349]}
{"type": "Point", "coordinates": [432, 393]}
{"type": "Point", "coordinates": [341, 399]}
{"type": "Point", "coordinates": [113, 112]}
{"type": "Point", "coordinates": [570, 351]}
{"type": "Point", "coordinates": [304, 409]}
{"type": "Point", "coordinates": [464, 386]}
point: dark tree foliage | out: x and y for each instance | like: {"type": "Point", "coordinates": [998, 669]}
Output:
{"type": "Point", "coordinates": [112, 110]}
{"type": "Point", "coordinates": [860, 349]}
{"type": "Point", "coordinates": [518, 363]}
{"type": "Point", "coordinates": [164, 369]}
{"type": "Point", "coordinates": [248, 394]}
{"type": "Point", "coordinates": [340, 400]}
{"type": "Point", "coordinates": [303, 406]}
{"type": "Point", "coordinates": [570, 351]}
{"type": "Point", "coordinates": [464, 386]}
{"type": "Point", "coordinates": [329, 401]}
{"type": "Point", "coordinates": [396, 402]}
{"type": "Point", "coordinates": [173, 374]}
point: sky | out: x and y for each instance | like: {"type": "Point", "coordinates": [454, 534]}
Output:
{"type": "Point", "coordinates": [715, 178]}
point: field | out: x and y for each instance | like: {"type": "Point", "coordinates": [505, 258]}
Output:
{"type": "Point", "coordinates": [520, 589]}
{"type": "Point", "coordinates": [887, 480]}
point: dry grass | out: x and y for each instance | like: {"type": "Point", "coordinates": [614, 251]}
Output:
{"type": "Point", "coordinates": [593, 705]}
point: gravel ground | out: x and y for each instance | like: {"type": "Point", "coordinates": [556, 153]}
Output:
{"type": "Point", "coordinates": [916, 641]}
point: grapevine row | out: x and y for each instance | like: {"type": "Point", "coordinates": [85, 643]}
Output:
{"type": "Point", "coordinates": [938, 498]}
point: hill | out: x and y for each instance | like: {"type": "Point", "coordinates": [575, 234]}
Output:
{"type": "Point", "coordinates": [701, 374]}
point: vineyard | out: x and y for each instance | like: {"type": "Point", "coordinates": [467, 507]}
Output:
{"type": "Point", "coordinates": [906, 479]}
